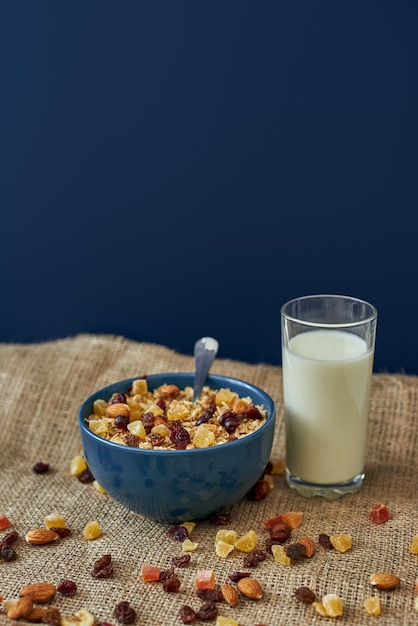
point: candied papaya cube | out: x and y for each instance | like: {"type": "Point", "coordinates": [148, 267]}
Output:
{"type": "Point", "coordinates": [150, 573]}
{"type": "Point", "coordinates": [225, 396]}
{"type": "Point", "coordinates": [139, 386]}
{"type": "Point", "coordinates": [205, 579]}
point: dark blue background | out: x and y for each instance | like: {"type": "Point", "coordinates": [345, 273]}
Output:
{"type": "Point", "coordinates": [173, 169]}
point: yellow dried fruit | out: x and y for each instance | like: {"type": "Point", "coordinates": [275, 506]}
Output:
{"type": "Point", "coordinates": [55, 520]}
{"type": "Point", "coordinates": [414, 545]}
{"type": "Point", "coordinates": [97, 486]}
{"type": "Point", "coordinates": [333, 605]}
{"type": "Point", "coordinates": [189, 526]}
{"type": "Point", "coordinates": [372, 605]}
{"type": "Point", "coordinates": [247, 542]}
{"type": "Point", "coordinates": [225, 396]}
{"type": "Point", "coordinates": [139, 386]}
{"type": "Point", "coordinates": [78, 465]}
{"type": "Point", "coordinates": [225, 621]}
{"type": "Point", "coordinates": [204, 437]}
{"type": "Point", "coordinates": [137, 428]}
{"type": "Point", "coordinates": [226, 535]}
{"type": "Point", "coordinates": [319, 608]}
{"type": "Point", "coordinates": [341, 542]}
{"type": "Point", "coordinates": [222, 549]}
{"type": "Point", "coordinates": [279, 467]}
{"type": "Point", "coordinates": [280, 555]}
{"type": "Point", "coordinates": [161, 429]}
{"type": "Point", "coordinates": [189, 546]}
{"type": "Point", "coordinates": [92, 530]}
{"type": "Point", "coordinates": [99, 407]}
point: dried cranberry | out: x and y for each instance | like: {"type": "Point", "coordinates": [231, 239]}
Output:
{"type": "Point", "coordinates": [40, 467]}
{"type": "Point", "coordinates": [252, 413]}
{"type": "Point", "coordinates": [203, 418]}
{"type": "Point", "coordinates": [180, 437]}
{"type": "Point", "coordinates": [231, 423]}
{"type": "Point", "coordinates": [181, 561]}
{"type": "Point", "coordinates": [62, 532]}
{"type": "Point", "coordinates": [178, 533]}
{"type": "Point", "coordinates": [121, 422]}
{"type": "Point", "coordinates": [225, 416]}
{"type": "Point", "coordinates": [260, 490]}
{"type": "Point", "coordinates": [119, 398]}
{"type": "Point", "coordinates": [171, 585]}
{"type": "Point", "coordinates": [207, 611]}
{"type": "Point", "coordinates": [67, 588]}
{"type": "Point", "coordinates": [187, 615]}
{"type": "Point", "coordinates": [124, 613]}
{"type": "Point", "coordinates": [86, 476]}
{"type": "Point", "coordinates": [10, 539]}
{"type": "Point", "coordinates": [161, 403]}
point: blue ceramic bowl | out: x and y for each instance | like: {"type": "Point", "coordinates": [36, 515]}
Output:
{"type": "Point", "coordinates": [179, 485]}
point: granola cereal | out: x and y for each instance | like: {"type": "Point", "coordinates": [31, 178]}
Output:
{"type": "Point", "coordinates": [168, 419]}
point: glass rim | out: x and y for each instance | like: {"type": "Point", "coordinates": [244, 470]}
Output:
{"type": "Point", "coordinates": [370, 318]}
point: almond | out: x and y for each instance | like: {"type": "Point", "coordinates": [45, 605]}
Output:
{"type": "Point", "coordinates": [383, 580]}
{"type": "Point", "coordinates": [39, 592]}
{"type": "Point", "coordinates": [118, 408]}
{"type": "Point", "coordinates": [40, 536]}
{"type": "Point", "coordinates": [20, 608]}
{"type": "Point", "coordinates": [250, 588]}
{"type": "Point", "coordinates": [230, 594]}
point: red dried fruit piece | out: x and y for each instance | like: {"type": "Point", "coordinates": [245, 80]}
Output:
{"type": "Point", "coordinates": [150, 573]}
{"type": "Point", "coordinates": [181, 561]}
{"type": "Point", "coordinates": [379, 514]}
{"type": "Point", "coordinates": [4, 522]}
{"type": "Point", "coordinates": [40, 467]}
{"type": "Point", "coordinates": [67, 588]}
{"type": "Point", "coordinates": [260, 490]}
{"type": "Point", "coordinates": [269, 523]}
{"type": "Point", "coordinates": [236, 576]}
{"type": "Point", "coordinates": [178, 533]}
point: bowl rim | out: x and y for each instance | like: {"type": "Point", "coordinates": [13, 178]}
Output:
{"type": "Point", "coordinates": [271, 416]}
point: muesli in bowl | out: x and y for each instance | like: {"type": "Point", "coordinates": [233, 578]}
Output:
{"type": "Point", "coordinates": [180, 470]}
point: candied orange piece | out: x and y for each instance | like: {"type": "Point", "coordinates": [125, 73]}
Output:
{"type": "Point", "coordinates": [293, 518]}
{"type": "Point", "coordinates": [150, 573]}
{"type": "Point", "coordinates": [205, 579]}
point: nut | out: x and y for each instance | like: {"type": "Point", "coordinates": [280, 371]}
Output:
{"type": "Point", "coordinates": [230, 594]}
{"type": "Point", "coordinates": [250, 588]}
{"type": "Point", "coordinates": [40, 536]}
{"type": "Point", "coordinates": [39, 592]}
{"type": "Point", "coordinates": [81, 618]}
{"type": "Point", "coordinates": [20, 608]}
{"type": "Point", "coordinates": [36, 614]}
{"type": "Point", "coordinates": [383, 580]}
{"type": "Point", "coordinates": [309, 545]}
{"type": "Point", "coordinates": [118, 408]}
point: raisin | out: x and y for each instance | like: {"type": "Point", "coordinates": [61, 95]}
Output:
{"type": "Point", "coordinates": [103, 567]}
{"type": "Point", "coordinates": [306, 595]}
{"type": "Point", "coordinates": [166, 574]}
{"type": "Point", "coordinates": [181, 561]}
{"type": "Point", "coordinates": [124, 613]}
{"type": "Point", "coordinates": [51, 616]}
{"type": "Point", "coordinates": [207, 611]}
{"type": "Point", "coordinates": [8, 553]}
{"type": "Point", "coordinates": [119, 398]}
{"type": "Point", "coordinates": [178, 533]}
{"type": "Point", "coordinates": [280, 532]}
{"type": "Point", "coordinates": [236, 576]}
{"type": "Point", "coordinates": [61, 531]}
{"type": "Point", "coordinates": [171, 585]}
{"type": "Point", "coordinates": [209, 595]}
{"type": "Point", "coordinates": [295, 551]}
{"type": "Point", "coordinates": [325, 541]}
{"type": "Point", "coordinates": [155, 439]}
{"type": "Point", "coordinates": [149, 421]}
{"type": "Point", "coordinates": [85, 477]}
{"type": "Point", "coordinates": [250, 560]}
{"type": "Point", "coordinates": [161, 404]}
{"type": "Point", "coordinates": [203, 418]}
{"type": "Point", "coordinates": [187, 615]}
{"type": "Point", "coordinates": [252, 413]}
{"type": "Point", "coordinates": [131, 440]}
{"type": "Point", "coordinates": [223, 518]}
{"type": "Point", "coordinates": [67, 588]}
{"type": "Point", "coordinates": [260, 490]}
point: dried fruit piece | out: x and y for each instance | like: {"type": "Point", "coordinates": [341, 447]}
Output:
{"type": "Point", "coordinates": [103, 567]}
{"type": "Point", "coordinates": [189, 526]}
{"type": "Point", "coordinates": [205, 579]}
{"type": "Point", "coordinates": [54, 520]}
{"type": "Point", "coordinates": [221, 620]}
{"type": "Point", "coordinates": [41, 536]}
{"type": "Point", "coordinates": [181, 560]}
{"type": "Point", "coordinates": [278, 467]}
{"type": "Point", "coordinates": [236, 576]}
{"type": "Point", "coordinates": [333, 605]}
{"type": "Point", "coordinates": [414, 545]}
{"type": "Point", "coordinates": [92, 530]}
{"type": "Point", "coordinates": [293, 518]}
{"type": "Point", "coordinates": [247, 542]}
{"type": "Point", "coordinates": [67, 588]}
{"type": "Point", "coordinates": [78, 465]}
{"type": "Point", "coordinates": [171, 585]}
{"type": "Point", "coordinates": [272, 521]}
{"type": "Point", "coordinates": [207, 611]}
{"type": "Point", "coordinates": [187, 614]}
{"type": "Point", "coordinates": [384, 580]}
{"type": "Point", "coordinates": [51, 616]}
{"type": "Point", "coordinates": [230, 594]}
{"type": "Point", "coordinates": [372, 605]}
{"type": "Point", "coordinates": [295, 550]}
{"type": "Point", "coordinates": [189, 546]}
{"type": "Point", "coordinates": [222, 549]}
{"type": "Point", "coordinates": [83, 617]}
{"type": "Point", "coordinates": [40, 467]}
{"type": "Point", "coordinates": [4, 522]}
{"type": "Point", "coordinates": [305, 594]}
{"type": "Point", "coordinates": [280, 555]}
{"type": "Point", "coordinates": [379, 514]}
{"type": "Point", "coordinates": [250, 588]}
{"type": "Point", "coordinates": [325, 541]}
{"type": "Point", "coordinates": [319, 608]}
{"type": "Point", "coordinates": [178, 533]}
{"type": "Point", "coordinates": [309, 546]}
{"type": "Point", "coordinates": [39, 592]}
{"type": "Point", "coordinates": [124, 613]}
{"type": "Point", "coordinates": [341, 542]}
{"type": "Point", "coordinates": [150, 573]}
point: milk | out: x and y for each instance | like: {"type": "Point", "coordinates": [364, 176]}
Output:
{"type": "Point", "coordinates": [326, 386]}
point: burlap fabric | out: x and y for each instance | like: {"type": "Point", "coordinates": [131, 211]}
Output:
{"type": "Point", "coordinates": [42, 387]}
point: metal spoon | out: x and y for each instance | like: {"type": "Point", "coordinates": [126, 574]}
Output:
{"type": "Point", "coordinates": [205, 350]}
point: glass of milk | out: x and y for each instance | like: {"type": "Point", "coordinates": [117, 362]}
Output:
{"type": "Point", "coordinates": [327, 360]}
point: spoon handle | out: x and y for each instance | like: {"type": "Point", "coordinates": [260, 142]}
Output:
{"type": "Point", "coordinates": [205, 351]}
